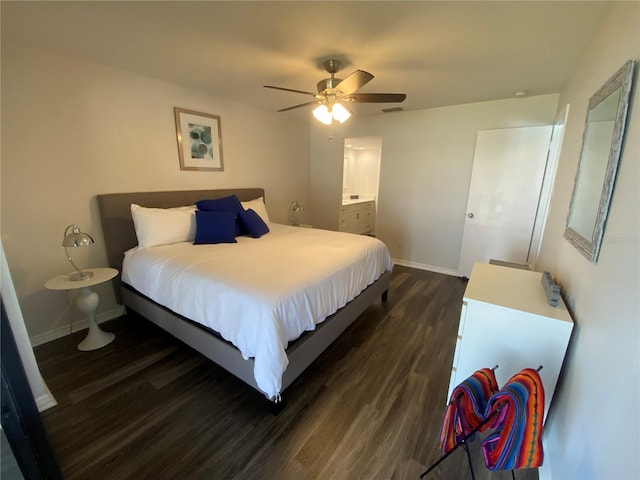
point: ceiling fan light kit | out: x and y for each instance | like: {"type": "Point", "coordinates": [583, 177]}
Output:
{"type": "Point", "coordinates": [334, 93]}
{"type": "Point", "coordinates": [341, 112]}
{"type": "Point", "coordinates": [326, 113]}
{"type": "Point", "coordinates": [322, 114]}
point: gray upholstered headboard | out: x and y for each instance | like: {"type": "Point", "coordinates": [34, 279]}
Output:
{"type": "Point", "coordinates": [117, 223]}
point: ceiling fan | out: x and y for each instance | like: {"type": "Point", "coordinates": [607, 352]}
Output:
{"type": "Point", "coordinates": [334, 94]}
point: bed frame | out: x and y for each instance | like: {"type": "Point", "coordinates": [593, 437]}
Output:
{"type": "Point", "coordinates": [119, 236]}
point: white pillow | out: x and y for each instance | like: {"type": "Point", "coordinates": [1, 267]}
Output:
{"type": "Point", "coordinates": [162, 226]}
{"type": "Point", "coordinates": [257, 206]}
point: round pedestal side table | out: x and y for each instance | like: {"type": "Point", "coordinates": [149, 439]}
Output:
{"type": "Point", "coordinates": [87, 302]}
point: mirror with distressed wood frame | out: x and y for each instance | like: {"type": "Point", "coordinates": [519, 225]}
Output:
{"type": "Point", "coordinates": [599, 157]}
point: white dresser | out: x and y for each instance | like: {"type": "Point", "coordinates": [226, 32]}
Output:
{"type": "Point", "coordinates": [357, 217]}
{"type": "Point", "coordinates": [507, 321]}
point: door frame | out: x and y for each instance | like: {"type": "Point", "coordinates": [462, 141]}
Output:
{"type": "Point", "coordinates": [21, 421]}
{"type": "Point", "coordinates": [548, 182]}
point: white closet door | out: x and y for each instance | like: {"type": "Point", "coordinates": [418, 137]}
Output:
{"type": "Point", "coordinates": [508, 168]}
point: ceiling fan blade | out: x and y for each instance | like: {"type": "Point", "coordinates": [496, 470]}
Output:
{"type": "Point", "coordinates": [376, 97]}
{"type": "Point", "coordinates": [301, 105]}
{"type": "Point", "coordinates": [289, 90]}
{"type": "Point", "coordinates": [353, 82]}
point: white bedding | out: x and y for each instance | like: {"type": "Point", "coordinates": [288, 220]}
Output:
{"type": "Point", "coordinates": [260, 293]}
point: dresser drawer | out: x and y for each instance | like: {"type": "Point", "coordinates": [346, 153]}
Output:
{"type": "Point", "coordinates": [453, 382]}
{"type": "Point", "coordinates": [463, 316]}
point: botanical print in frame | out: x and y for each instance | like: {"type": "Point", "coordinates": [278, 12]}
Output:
{"type": "Point", "coordinates": [199, 140]}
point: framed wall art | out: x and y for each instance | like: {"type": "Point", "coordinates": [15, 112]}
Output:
{"type": "Point", "coordinates": [199, 140]}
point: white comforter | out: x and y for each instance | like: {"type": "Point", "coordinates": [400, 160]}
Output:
{"type": "Point", "coordinates": [260, 293]}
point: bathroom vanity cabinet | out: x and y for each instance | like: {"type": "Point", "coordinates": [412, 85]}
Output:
{"type": "Point", "coordinates": [357, 216]}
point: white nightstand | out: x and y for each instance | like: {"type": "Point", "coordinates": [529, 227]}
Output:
{"type": "Point", "coordinates": [87, 303]}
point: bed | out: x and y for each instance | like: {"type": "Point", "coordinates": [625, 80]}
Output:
{"type": "Point", "coordinates": [301, 307]}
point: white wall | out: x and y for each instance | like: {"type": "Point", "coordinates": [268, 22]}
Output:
{"type": "Point", "coordinates": [425, 172]}
{"type": "Point", "coordinates": [593, 431]}
{"type": "Point", "coordinates": [73, 129]}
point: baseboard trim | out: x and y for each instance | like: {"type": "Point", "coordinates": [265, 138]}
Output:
{"type": "Point", "coordinates": [423, 266]}
{"type": "Point", "coordinates": [60, 332]}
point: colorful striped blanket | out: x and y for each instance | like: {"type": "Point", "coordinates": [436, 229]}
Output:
{"type": "Point", "coordinates": [516, 441]}
{"type": "Point", "coordinates": [465, 411]}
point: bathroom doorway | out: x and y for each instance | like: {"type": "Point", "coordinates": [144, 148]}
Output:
{"type": "Point", "coordinates": [360, 181]}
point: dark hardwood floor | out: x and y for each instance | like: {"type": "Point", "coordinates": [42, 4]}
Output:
{"type": "Point", "coordinates": [370, 407]}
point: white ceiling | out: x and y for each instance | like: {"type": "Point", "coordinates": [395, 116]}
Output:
{"type": "Point", "coordinates": [437, 52]}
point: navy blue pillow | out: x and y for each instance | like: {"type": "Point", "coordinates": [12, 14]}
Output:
{"type": "Point", "coordinates": [253, 224]}
{"type": "Point", "coordinates": [215, 227]}
{"type": "Point", "coordinates": [224, 204]}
